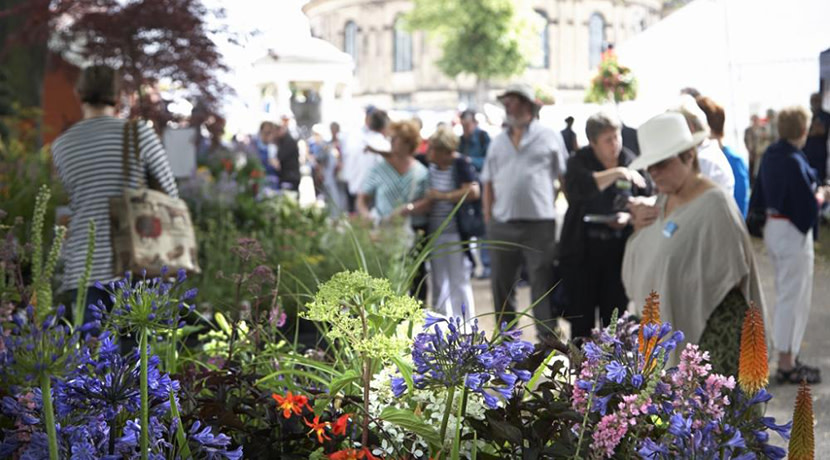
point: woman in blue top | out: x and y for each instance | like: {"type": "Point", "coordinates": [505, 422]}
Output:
{"type": "Point", "coordinates": [716, 117]}
{"type": "Point", "coordinates": [787, 190]}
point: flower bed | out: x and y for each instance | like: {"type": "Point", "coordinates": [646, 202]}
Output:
{"type": "Point", "coordinates": [384, 380]}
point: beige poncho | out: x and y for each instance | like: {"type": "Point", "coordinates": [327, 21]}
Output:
{"type": "Point", "coordinates": [692, 259]}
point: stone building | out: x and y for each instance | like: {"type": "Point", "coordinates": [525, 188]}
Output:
{"type": "Point", "coordinates": [396, 69]}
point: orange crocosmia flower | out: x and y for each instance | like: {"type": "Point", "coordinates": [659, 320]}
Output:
{"type": "Point", "coordinates": [353, 454]}
{"type": "Point", "coordinates": [753, 369]}
{"type": "Point", "coordinates": [651, 315]}
{"type": "Point", "coordinates": [318, 428]}
{"type": "Point", "coordinates": [339, 427]}
{"type": "Point", "coordinates": [290, 403]}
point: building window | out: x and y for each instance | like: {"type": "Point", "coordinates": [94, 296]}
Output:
{"type": "Point", "coordinates": [350, 40]}
{"type": "Point", "coordinates": [541, 58]}
{"type": "Point", "coordinates": [467, 99]}
{"type": "Point", "coordinates": [402, 47]}
{"type": "Point", "coordinates": [402, 100]}
{"type": "Point", "coordinates": [596, 39]}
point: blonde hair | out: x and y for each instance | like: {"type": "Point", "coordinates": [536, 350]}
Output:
{"type": "Point", "coordinates": [408, 133]}
{"type": "Point", "coordinates": [444, 140]}
{"type": "Point", "coordinates": [793, 122]}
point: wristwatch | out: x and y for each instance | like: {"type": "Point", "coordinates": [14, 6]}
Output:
{"type": "Point", "coordinates": [410, 207]}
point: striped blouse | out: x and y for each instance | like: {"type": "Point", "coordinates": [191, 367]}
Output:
{"type": "Point", "coordinates": [88, 158]}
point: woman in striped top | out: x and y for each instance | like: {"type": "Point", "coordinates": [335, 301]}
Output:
{"type": "Point", "coordinates": [89, 160]}
{"type": "Point", "coordinates": [451, 177]}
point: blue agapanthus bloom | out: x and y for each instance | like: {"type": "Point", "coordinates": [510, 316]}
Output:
{"type": "Point", "coordinates": [447, 354]}
{"type": "Point", "coordinates": [151, 303]}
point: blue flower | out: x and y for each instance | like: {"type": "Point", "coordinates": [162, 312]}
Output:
{"type": "Point", "coordinates": [523, 375]}
{"type": "Point", "coordinates": [616, 371]}
{"type": "Point", "coordinates": [475, 381]}
{"type": "Point", "coordinates": [601, 404]}
{"type": "Point", "coordinates": [679, 426]}
{"type": "Point", "coordinates": [398, 386]}
{"type": "Point", "coordinates": [736, 440]}
{"type": "Point", "coordinates": [637, 380]}
{"type": "Point", "coordinates": [592, 351]}
{"type": "Point", "coordinates": [490, 401]}
{"type": "Point", "coordinates": [774, 452]}
{"type": "Point", "coordinates": [649, 449]}
{"type": "Point", "coordinates": [783, 430]}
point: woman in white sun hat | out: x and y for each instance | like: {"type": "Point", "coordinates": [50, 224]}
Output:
{"type": "Point", "coordinates": [696, 252]}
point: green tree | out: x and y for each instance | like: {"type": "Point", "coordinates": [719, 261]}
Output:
{"type": "Point", "coordinates": [482, 38]}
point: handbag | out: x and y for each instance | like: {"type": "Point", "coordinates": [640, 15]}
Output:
{"type": "Point", "coordinates": [470, 217]}
{"type": "Point", "coordinates": [150, 229]}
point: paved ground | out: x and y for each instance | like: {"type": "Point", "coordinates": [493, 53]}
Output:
{"type": "Point", "coordinates": [815, 351]}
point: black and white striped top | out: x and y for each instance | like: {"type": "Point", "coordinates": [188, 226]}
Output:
{"type": "Point", "coordinates": [88, 158]}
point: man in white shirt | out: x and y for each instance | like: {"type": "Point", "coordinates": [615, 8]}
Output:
{"type": "Point", "coordinates": [520, 171]}
{"type": "Point", "coordinates": [357, 159]}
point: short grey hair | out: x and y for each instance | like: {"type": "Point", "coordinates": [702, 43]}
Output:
{"type": "Point", "coordinates": [599, 123]}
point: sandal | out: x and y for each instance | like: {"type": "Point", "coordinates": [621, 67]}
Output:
{"type": "Point", "coordinates": [799, 373]}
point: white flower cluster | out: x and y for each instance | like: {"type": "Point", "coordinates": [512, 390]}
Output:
{"type": "Point", "coordinates": [430, 404]}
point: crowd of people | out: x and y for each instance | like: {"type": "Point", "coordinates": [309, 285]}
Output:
{"type": "Point", "coordinates": [663, 208]}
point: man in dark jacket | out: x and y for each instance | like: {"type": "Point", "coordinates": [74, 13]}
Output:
{"type": "Point", "coordinates": [288, 156]}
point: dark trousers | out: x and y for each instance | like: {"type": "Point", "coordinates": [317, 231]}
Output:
{"type": "Point", "coordinates": [532, 244]}
{"type": "Point", "coordinates": [596, 283]}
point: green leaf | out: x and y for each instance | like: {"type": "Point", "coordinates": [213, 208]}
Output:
{"type": "Point", "coordinates": [342, 382]}
{"type": "Point", "coordinates": [539, 372]}
{"type": "Point", "coordinates": [407, 420]}
{"type": "Point", "coordinates": [181, 439]}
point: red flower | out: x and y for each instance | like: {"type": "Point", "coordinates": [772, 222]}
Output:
{"type": "Point", "coordinates": [290, 403]}
{"type": "Point", "coordinates": [318, 428]}
{"type": "Point", "coordinates": [353, 454]}
{"type": "Point", "coordinates": [339, 427]}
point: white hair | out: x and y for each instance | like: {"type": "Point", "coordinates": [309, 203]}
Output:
{"type": "Point", "coordinates": [687, 106]}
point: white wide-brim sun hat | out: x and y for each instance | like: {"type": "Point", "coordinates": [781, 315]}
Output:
{"type": "Point", "coordinates": [663, 137]}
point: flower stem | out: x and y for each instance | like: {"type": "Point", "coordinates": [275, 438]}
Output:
{"type": "Point", "coordinates": [49, 415]}
{"type": "Point", "coordinates": [447, 410]}
{"type": "Point", "coordinates": [145, 403]}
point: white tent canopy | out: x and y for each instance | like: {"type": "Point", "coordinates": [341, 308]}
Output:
{"type": "Point", "coordinates": [749, 55]}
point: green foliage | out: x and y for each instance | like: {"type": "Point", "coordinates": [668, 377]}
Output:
{"type": "Point", "coordinates": [478, 37]}
{"type": "Point", "coordinates": [22, 171]}
{"type": "Point", "coordinates": [364, 313]}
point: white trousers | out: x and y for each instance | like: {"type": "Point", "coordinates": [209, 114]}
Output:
{"type": "Point", "coordinates": [450, 278]}
{"type": "Point", "coordinates": [792, 258]}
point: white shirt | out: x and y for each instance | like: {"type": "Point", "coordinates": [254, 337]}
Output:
{"type": "Point", "coordinates": [715, 166]}
{"type": "Point", "coordinates": [523, 179]}
{"type": "Point", "coordinates": [357, 162]}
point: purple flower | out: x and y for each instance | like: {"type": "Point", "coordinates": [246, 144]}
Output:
{"type": "Point", "coordinates": [616, 371]}
{"type": "Point", "coordinates": [649, 449]}
{"type": "Point", "coordinates": [475, 381]}
{"type": "Point", "coordinates": [783, 430]}
{"type": "Point", "coordinates": [398, 386]}
{"type": "Point", "coordinates": [637, 380]}
{"type": "Point", "coordinates": [592, 351]}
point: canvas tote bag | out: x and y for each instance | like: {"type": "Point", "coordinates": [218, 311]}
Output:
{"type": "Point", "coordinates": [150, 229]}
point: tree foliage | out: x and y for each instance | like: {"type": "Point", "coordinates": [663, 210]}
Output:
{"type": "Point", "coordinates": [478, 37]}
{"type": "Point", "coordinates": [150, 40]}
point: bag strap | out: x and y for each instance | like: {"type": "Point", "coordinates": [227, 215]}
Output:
{"type": "Point", "coordinates": [131, 125]}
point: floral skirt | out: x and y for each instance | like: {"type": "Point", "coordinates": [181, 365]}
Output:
{"type": "Point", "coordinates": [722, 335]}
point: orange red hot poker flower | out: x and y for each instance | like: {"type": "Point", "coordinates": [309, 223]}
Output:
{"type": "Point", "coordinates": [753, 370]}
{"type": "Point", "coordinates": [353, 454]}
{"type": "Point", "coordinates": [291, 403]}
{"type": "Point", "coordinates": [802, 437]}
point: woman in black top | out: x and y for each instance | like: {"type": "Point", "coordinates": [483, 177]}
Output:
{"type": "Point", "coordinates": [598, 185]}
